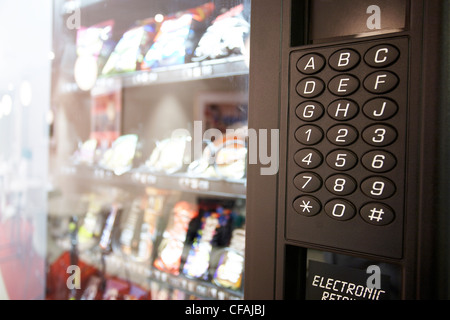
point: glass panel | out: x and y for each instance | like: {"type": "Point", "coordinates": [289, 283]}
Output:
{"type": "Point", "coordinates": [24, 104]}
{"type": "Point", "coordinates": [149, 159]}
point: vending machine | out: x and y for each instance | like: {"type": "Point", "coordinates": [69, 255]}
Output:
{"type": "Point", "coordinates": [358, 93]}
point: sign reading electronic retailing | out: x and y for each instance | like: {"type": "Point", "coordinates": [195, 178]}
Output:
{"type": "Point", "coordinates": [331, 282]}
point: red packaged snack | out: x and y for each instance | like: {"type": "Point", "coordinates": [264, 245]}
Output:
{"type": "Point", "coordinates": [171, 248]}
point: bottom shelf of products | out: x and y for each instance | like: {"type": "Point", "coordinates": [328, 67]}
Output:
{"type": "Point", "coordinates": [159, 245]}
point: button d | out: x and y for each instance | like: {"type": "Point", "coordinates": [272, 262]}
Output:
{"type": "Point", "coordinates": [310, 87]}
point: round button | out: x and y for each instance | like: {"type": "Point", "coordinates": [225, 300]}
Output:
{"type": "Point", "coordinates": [308, 182]}
{"type": "Point", "coordinates": [310, 63]}
{"type": "Point", "coordinates": [309, 134]}
{"type": "Point", "coordinates": [379, 135]}
{"type": "Point", "coordinates": [380, 109]}
{"type": "Point", "coordinates": [309, 111]}
{"type": "Point", "coordinates": [381, 82]}
{"type": "Point", "coordinates": [310, 87]}
{"type": "Point", "coordinates": [340, 184]}
{"type": "Point", "coordinates": [308, 158]}
{"type": "Point", "coordinates": [378, 161]}
{"type": "Point", "coordinates": [344, 59]}
{"type": "Point", "coordinates": [340, 209]}
{"type": "Point", "coordinates": [307, 206]}
{"type": "Point", "coordinates": [377, 214]}
{"type": "Point", "coordinates": [341, 160]}
{"type": "Point", "coordinates": [343, 109]}
{"type": "Point", "coordinates": [342, 135]}
{"type": "Point", "coordinates": [381, 55]}
{"type": "Point", "coordinates": [378, 188]}
{"type": "Point", "coordinates": [343, 85]}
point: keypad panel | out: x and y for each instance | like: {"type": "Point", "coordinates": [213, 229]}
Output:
{"type": "Point", "coordinates": [346, 146]}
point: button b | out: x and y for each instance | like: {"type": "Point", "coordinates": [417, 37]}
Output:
{"type": "Point", "coordinates": [344, 60]}
{"type": "Point", "coordinates": [310, 87]}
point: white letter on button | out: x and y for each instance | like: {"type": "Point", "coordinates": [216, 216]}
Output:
{"type": "Point", "coordinates": [310, 64]}
{"type": "Point", "coordinates": [379, 81]}
{"type": "Point", "coordinates": [307, 113]}
{"type": "Point", "coordinates": [313, 84]}
{"type": "Point", "coordinates": [344, 57]}
{"type": "Point", "coordinates": [386, 50]}
{"type": "Point", "coordinates": [342, 84]}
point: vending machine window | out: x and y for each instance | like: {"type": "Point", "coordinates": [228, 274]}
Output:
{"type": "Point", "coordinates": [358, 91]}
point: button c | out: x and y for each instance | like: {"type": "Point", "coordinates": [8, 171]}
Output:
{"type": "Point", "coordinates": [381, 56]}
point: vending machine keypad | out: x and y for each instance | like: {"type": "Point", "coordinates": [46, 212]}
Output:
{"type": "Point", "coordinates": [348, 111]}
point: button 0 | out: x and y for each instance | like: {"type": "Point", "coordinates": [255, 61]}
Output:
{"type": "Point", "coordinates": [379, 135]}
{"type": "Point", "coordinates": [343, 110]}
{"type": "Point", "coordinates": [342, 135]}
{"type": "Point", "coordinates": [343, 85]}
{"type": "Point", "coordinates": [377, 214]}
{"type": "Point", "coordinates": [310, 63]}
{"type": "Point", "coordinates": [308, 158]}
{"type": "Point", "coordinates": [307, 206]}
{"type": "Point", "coordinates": [310, 87]}
{"type": "Point", "coordinates": [309, 111]}
{"type": "Point", "coordinates": [381, 56]}
{"type": "Point", "coordinates": [380, 109]}
{"type": "Point", "coordinates": [378, 188]}
{"type": "Point", "coordinates": [309, 135]}
{"type": "Point", "coordinates": [340, 209]}
{"type": "Point", "coordinates": [308, 182]}
{"type": "Point", "coordinates": [344, 60]}
{"type": "Point", "coordinates": [381, 82]}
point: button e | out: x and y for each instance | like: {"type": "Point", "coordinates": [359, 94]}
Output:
{"type": "Point", "coordinates": [343, 85]}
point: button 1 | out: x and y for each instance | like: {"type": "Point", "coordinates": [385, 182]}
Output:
{"type": "Point", "coordinates": [377, 214]}
{"type": "Point", "coordinates": [381, 82]}
{"type": "Point", "coordinates": [310, 87]}
{"type": "Point", "coordinates": [379, 135]}
{"type": "Point", "coordinates": [343, 110]}
{"type": "Point", "coordinates": [344, 60]}
{"type": "Point", "coordinates": [378, 161]}
{"type": "Point", "coordinates": [340, 209]}
{"type": "Point", "coordinates": [308, 182]}
{"type": "Point", "coordinates": [381, 56]}
{"type": "Point", "coordinates": [343, 85]}
{"type": "Point", "coordinates": [341, 160]}
{"type": "Point", "coordinates": [378, 188]}
{"type": "Point", "coordinates": [380, 109]}
{"type": "Point", "coordinates": [307, 206]}
{"type": "Point", "coordinates": [310, 63]}
{"type": "Point", "coordinates": [342, 135]}
{"type": "Point", "coordinates": [309, 111]}
{"type": "Point", "coordinates": [309, 134]}
{"type": "Point", "coordinates": [308, 158]}
{"type": "Point", "coordinates": [340, 184]}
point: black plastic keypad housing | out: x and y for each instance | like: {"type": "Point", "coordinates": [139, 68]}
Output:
{"type": "Point", "coordinates": [347, 134]}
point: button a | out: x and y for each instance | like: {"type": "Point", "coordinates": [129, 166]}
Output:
{"type": "Point", "coordinates": [381, 82]}
{"type": "Point", "coordinates": [343, 85]}
{"type": "Point", "coordinates": [310, 87]}
{"type": "Point", "coordinates": [310, 63]}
